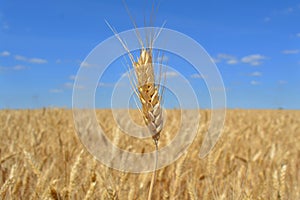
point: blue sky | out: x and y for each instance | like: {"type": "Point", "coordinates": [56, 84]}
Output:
{"type": "Point", "coordinates": [255, 44]}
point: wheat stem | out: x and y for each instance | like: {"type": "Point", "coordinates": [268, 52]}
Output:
{"type": "Point", "coordinates": [154, 172]}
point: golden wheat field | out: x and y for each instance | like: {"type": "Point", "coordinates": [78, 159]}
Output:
{"type": "Point", "coordinates": [257, 157]}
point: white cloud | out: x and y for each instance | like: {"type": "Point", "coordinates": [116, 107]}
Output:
{"type": "Point", "coordinates": [288, 10]}
{"type": "Point", "coordinates": [13, 68]}
{"type": "Point", "coordinates": [30, 60]}
{"type": "Point", "coordinates": [56, 91]}
{"type": "Point", "coordinates": [171, 74]}
{"type": "Point", "coordinates": [5, 53]}
{"type": "Point", "coordinates": [255, 83]}
{"type": "Point", "coordinates": [37, 61]}
{"type": "Point", "coordinates": [102, 84]}
{"type": "Point", "coordinates": [254, 59]}
{"type": "Point", "coordinates": [282, 82]}
{"type": "Point", "coordinates": [215, 60]}
{"type": "Point", "coordinates": [67, 61]}
{"type": "Point", "coordinates": [225, 56]}
{"type": "Point", "coordinates": [220, 89]}
{"type": "Point", "coordinates": [230, 59]}
{"type": "Point", "coordinates": [19, 67]}
{"type": "Point", "coordinates": [197, 76]}
{"type": "Point", "coordinates": [292, 51]}
{"type": "Point", "coordinates": [256, 74]}
{"type": "Point", "coordinates": [85, 64]}
{"type": "Point", "coordinates": [70, 85]}
{"type": "Point", "coordinates": [72, 77]}
{"type": "Point", "coordinates": [21, 58]}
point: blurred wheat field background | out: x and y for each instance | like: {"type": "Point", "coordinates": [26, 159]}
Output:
{"type": "Point", "coordinates": [257, 157]}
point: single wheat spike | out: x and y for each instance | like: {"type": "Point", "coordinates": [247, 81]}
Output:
{"type": "Point", "coordinates": [282, 181]}
{"type": "Point", "coordinates": [91, 190]}
{"type": "Point", "coordinates": [148, 93]}
{"type": "Point", "coordinates": [149, 98]}
{"type": "Point", "coordinates": [191, 189]}
{"type": "Point", "coordinates": [112, 194]}
{"type": "Point", "coordinates": [75, 171]}
{"type": "Point", "coordinates": [147, 89]}
{"type": "Point", "coordinates": [9, 182]}
{"type": "Point", "coordinates": [53, 193]}
{"type": "Point", "coordinates": [32, 163]}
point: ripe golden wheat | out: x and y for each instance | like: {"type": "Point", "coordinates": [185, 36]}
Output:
{"type": "Point", "coordinates": [252, 160]}
{"type": "Point", "coordinates": [148, 93]}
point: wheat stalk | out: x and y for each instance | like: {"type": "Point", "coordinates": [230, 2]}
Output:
{"type": "Point", "coordinates": [191, 189]}
{"type": "Point", "coordinates": [150, 100]}
{"type": "Point", "coordinates": [148, 92]}
{"type": "Point", "coordinates": [75, 173]}
{"type": "Point", "coordinates": [275, 185]}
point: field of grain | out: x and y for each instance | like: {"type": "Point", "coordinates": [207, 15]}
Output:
{"type": "Point", "coordinates": [257, 157]}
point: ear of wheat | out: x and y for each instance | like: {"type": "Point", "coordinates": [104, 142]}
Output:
{"type": "Point", "coordinates": [148, 90]}
{"type": "Point", "coordinates": [148, 93]}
